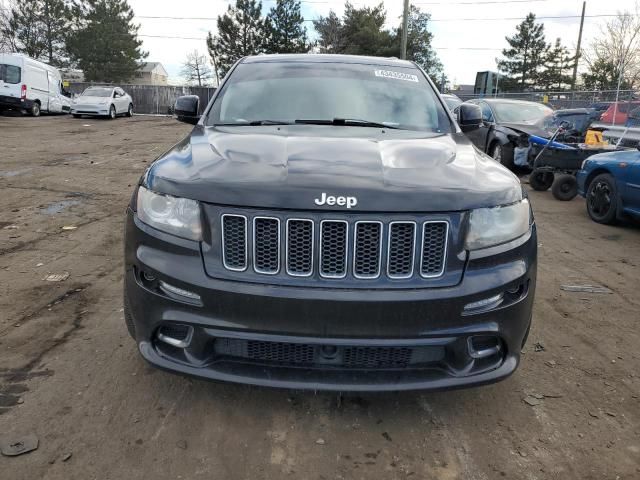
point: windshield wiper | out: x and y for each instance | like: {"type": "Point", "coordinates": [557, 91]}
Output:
{"type": "Point", "coordinates": [253, 123]}
{"type": "Point", "coordinates": [347, 122]}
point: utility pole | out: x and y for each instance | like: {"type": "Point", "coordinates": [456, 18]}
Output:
{"type": "Point", "coordinates": [405, 27]}
{"type": "Point", "coordinates": [578, 54]}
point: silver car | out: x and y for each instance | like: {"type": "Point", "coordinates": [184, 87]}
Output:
{"type": "Point", "coordinates": [104, 102]}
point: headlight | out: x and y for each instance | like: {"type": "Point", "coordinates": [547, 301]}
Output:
{"type": "Point", "coordinates": [493, 226]}
{"type": "Point", "coordinates": [178, 216]}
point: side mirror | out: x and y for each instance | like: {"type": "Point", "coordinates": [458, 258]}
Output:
{"type": "Point", "coordinates": [186, 109]}
{"type": "Point", "coordinates": [469, 117]}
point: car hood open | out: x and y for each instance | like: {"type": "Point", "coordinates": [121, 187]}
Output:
{"type": "Point", "coordinates": [287, 167]}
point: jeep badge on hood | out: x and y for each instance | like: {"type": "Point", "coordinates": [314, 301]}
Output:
{"type": "Point", "coordinates": [340, 201]}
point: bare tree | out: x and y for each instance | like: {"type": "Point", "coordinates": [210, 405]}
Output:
{"type": "Point", "coordinates": [7, 37]}
{"type": "Point", "coordinates": [618, 46]}
{"type": "Point", "coordinates": [196, 69]}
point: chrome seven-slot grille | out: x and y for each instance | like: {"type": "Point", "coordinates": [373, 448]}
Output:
{"type": "Point", "coordinates": [335, 248]}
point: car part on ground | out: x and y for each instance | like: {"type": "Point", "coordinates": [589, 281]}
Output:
{"type": "Point", "coordinates": [541, 180]}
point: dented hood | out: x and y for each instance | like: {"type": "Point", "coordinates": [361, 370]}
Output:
{"type": "Point", "coordinates": [287, 167]}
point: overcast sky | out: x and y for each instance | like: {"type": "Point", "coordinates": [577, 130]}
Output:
{"type": "Point", "coordinates": [464, 44]}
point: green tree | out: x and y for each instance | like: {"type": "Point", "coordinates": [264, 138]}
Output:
{"type": "Point", "coordinates": [104, 42]}
{"type": "Point", "coordinates": [364, 33]}
{"type": "Point", "coordinates": [36, 28]}
{"type": "Point", "coordinates": [330, 30]}
{"type": "Point", "coordinates": [558, 65]}
{"type": "Point", "coordinates": [525, 57]}
{"type": "Point", "coordinates": [419, 44]}
{"type": "Point", "coordinates": [241, 32]}
{"type": "Point", "coordinates": [285, 31]}
{"type": "Point", "coordinates": [603, 75]}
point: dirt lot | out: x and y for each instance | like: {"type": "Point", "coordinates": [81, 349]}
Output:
{"type": "Point", "coordinates": [70, 374]}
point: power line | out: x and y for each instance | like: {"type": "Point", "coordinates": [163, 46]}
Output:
{"type": "Point", "coordinates": [549, 17]}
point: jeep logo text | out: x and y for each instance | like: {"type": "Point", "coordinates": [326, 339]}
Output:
{"type": "Point", "coordinates": [340, 201]}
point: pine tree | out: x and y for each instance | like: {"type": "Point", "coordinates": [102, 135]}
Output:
{"type": "Point", "coordinates": [241, 32]}
{"type": "Point", "coordinates": [331, 33]}
{"type": "Point", "coordinates": [37, 28]}
{"type": "Point", "coordinates": [105, 41]}
{"type": "Point", "coordinates": [419, 44]}
{"type": "Point", "coordinates": [22, 29]}
{"type": "Point", "coordinates": [284, 28]}
{"type": "Point", "coordinates": [364, 31]}
{"type": "Point", "coordinates": [528, 49]}
{"type": "Point", "coordinates": [557, 67]}
{"type": "Point", "coordinates": [603, 75]}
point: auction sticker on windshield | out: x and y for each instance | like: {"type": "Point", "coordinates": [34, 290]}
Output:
{"type": "Point", "coordinates": [397, 75]}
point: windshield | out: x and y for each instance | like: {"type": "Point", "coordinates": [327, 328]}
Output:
{"type": "Point", "coordinates": [452, 102]}
{"type": "Point", "coordinates": [10, 73]}
{"type": "Point", "coordinates": [577, 121]}
{"type": "Point", "coordinates": [97, 92]}
{"type": "Point", "coordinates": [295, 91]}
{"type": "Point", "coordinates": [524, 112]}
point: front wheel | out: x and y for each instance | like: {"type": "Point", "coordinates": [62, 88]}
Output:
{"type": "Point", "coordinates": [502, 154]}
{"type": "Point", "coordinates": [130, 110]}
{"type": "Point", "coordinates": [565, 187]}
{"type": "Point", "coordinates": [602, 199]}
{"type": "Point", "coordinates": [112, 112]}
{"type": "Point", "coordinates": [540, 180]}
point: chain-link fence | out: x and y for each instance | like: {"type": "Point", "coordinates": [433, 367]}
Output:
{"type": "Point", "coordinates": [154, 99]}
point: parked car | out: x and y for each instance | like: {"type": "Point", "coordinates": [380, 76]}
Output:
{"type": "Point", "coordinates": [610, 182]}
{"type": "Point", "coordinates": [621, 109]}
{"type": "Point", "coordinates": [304, 236]}
{"type": "Point", "coordinates": [503, 122]}
{"type": "Point", "coordinates": [103, 102]}
{"type": "Point", "coordinates": [451, 100]}
{"type": "Point", "coordinates": [30, 86]}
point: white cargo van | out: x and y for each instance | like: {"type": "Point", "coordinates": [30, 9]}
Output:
{"type": "Point", "coordinates": [31, 86]}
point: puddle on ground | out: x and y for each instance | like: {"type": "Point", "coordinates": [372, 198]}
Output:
{"type": "Point", "coordinates": [57, 207]}
{"type": "Point", "coordinates": [14, 173]}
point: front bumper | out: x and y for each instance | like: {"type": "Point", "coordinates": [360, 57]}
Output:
{"type": "Point", "coordinates": [328, 339]}
{"type": "Point", "coordinates": [86, 109]}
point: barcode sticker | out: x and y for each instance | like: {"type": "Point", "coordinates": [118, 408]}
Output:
{"type": "Point", "coordinates": [396, 75]}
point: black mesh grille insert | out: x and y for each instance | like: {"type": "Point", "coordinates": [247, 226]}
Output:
{"type": "Point", "coordinates": [433, 248]}
{"type": "Point", "coordinates": [333, 249]}
{"type": "Point", "coordinates": [366, 260]}
{"type": "Point", "coordinates": [314, 355]}
{"type": "Point", "coordinates": [377, 357]}
{"type": "Point", "coordinates": [401, 249]}
{"type": "Point", "coordinates": [266, 245]}
{"type": "Point", "coordinates": [299, 247]}
{"type": "Point", "coordinates": [234, 231]}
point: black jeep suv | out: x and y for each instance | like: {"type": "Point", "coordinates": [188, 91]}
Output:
{"type": "Point", "coordinates": [328, 225]}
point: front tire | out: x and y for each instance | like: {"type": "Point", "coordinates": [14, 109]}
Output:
{"type": "Point", "coordinates": [112, 113]}
{"type": "Point", "coordinates": [602, 199]}
{"type": "Point", "coordinates": [565, 187]}
{"type": "Point", "coordinates": [540, 180]}
{"type": "Point", "coordinates": [130, 110]}
{"type": "Point", "coordinates": [502, 154]}
{"type": "Point", "coordinates": [75, 115]}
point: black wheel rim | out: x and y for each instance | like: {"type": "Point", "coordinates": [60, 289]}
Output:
{"type": "Point", "coordinates": [600, 199]}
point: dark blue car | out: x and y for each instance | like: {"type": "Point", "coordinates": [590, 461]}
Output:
{"type": "Point", "coordinates": [610, 182]}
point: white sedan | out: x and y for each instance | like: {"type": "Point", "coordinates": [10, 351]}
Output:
{"type": "Point", "coordinates": [104, 102]}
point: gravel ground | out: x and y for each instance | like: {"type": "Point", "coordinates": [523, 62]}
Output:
{"type": "Point", "coordinates": [70, 374]}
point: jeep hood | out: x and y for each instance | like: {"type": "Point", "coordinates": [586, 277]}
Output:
{"type": "Point", "coordinates": [287, 167]}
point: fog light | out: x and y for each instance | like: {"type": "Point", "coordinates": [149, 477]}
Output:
{"type": "Point", "coordinates": [176, 335]}
{"type": "Point", "coordinates": [485, 304]}
{"type": "Point", "coordinates": [148, 277]}
{"type": "Point", "coordinates": [179, 291]}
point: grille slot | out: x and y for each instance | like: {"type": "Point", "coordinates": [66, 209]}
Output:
{"type": "Point", "coordinates": [266, 245]}
{"type": "Point", "coordinates": [333, 248]}
{"type": "Point", "coordinates": [299, 247]}
{"type": "Point", "coordinates": [377, 357]}
{"type": "Point", "coordinates": [367, 250]}
{"type": "Point", "coordinates": [400, 258]}
{"type": "Point", "coordinates": [295, 247]}
{"type": "Point", "coordinates": [434, 246]}
{"type": "Point", "coordinates": [234, 240]}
